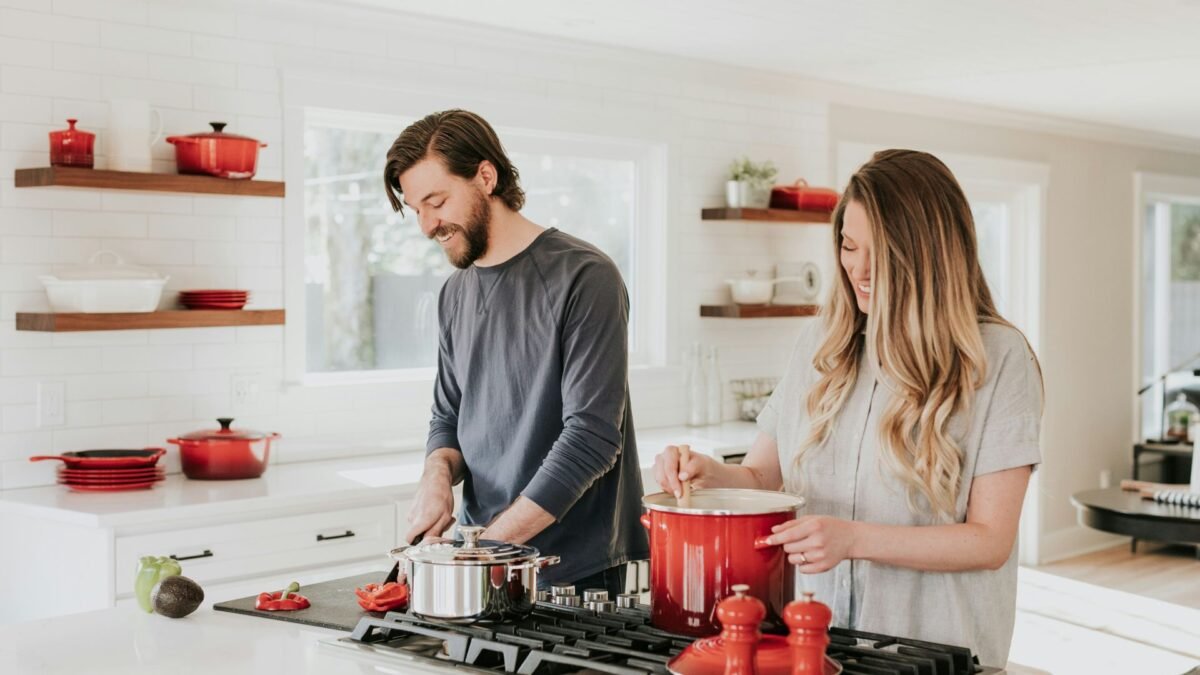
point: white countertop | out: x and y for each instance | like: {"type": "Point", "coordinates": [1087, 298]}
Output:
{"type": "Point", "coordinates": [303, 483]}
{"type": "Point", "coordinates": [127, 640]}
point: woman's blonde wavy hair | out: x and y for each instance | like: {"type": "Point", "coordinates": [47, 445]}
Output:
{"type": "Point", "coordinates": [928, 297]}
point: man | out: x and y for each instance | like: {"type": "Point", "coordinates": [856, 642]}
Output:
{"type": "Point", "coordinates": [531, 404]}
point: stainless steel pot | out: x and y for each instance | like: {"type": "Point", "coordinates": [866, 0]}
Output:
{"type": "Point", "coordinates": [473, 579]}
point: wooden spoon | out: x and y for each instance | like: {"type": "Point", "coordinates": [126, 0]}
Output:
{"type": "Point", "coordinates": [685, 498]}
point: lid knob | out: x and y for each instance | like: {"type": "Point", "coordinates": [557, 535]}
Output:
{"type": "Point", "coordinates": [218, 127]}
{"type": "Point", "coordinates": [470, 535]}
{"type": "Point", "coordinates": [225, 422]}
{"type": "Point", "coordinates": [740, 617]}
{"type": "Point", "coordinates": [808, 622]}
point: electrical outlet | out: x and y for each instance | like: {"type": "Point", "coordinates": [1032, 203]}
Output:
{"type": "Point", "coordinates": [1106, 478]}
{"type": "Point", "coordinates": [243, 392]}
{"type": "Point", "coordinates": [51, 404]}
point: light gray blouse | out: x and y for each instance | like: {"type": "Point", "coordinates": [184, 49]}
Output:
{"type": "Point", "coordinates": [847, 477]}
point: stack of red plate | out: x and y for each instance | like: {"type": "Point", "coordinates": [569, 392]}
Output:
{"type": "Point", "coordinates": [214, 299]}
{"type": "Point", "coordinates": [108, 470]}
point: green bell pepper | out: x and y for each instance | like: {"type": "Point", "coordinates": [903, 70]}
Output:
{"type": "Point", "coordinates": [151, 570]}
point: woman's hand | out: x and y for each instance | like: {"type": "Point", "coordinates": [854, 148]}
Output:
{"type": "Point", "coordinates": [670, 475]}
{"type": "Point", "coordinates": [815, 543]}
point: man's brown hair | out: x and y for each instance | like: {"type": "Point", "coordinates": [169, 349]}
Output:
{"type": "Point", "coordinates": [461, 140]}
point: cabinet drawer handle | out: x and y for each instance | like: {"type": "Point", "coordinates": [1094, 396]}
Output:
{"type": "Point", "coordinates": [348, 533]}
{"type": "Point", "coordinates": [207, 554]}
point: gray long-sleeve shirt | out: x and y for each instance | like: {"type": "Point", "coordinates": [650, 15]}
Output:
{"type": "Point", "coordinates": [532, 388]}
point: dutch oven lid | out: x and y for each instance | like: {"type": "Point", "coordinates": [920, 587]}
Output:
{"type": "Point", "coordinates": [224, 433]}
{"type": "Point", "coordinates": [724, 502]}
{"type": "Point", "coordinates": [219, 132]}
{"type": "Point", "coordinates": [470, 551]}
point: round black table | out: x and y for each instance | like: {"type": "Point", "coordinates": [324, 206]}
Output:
{"type": "Point", "coordinates": [1124, 512]}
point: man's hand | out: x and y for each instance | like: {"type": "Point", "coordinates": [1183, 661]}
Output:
{"type": "Point", "coordinates": [433, 507]}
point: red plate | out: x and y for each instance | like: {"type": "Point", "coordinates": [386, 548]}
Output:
{"type": "Point", "coordinates": [108, 481]}
{"type": "Point", "coordinates": [106, 476]}
{"type": "Point", "coordinates": [216, 291]}
{"type": "Point", "coordinates": [231, 296]}
{"type": "Point", "coordinates": [111, 488]}
{"type": "Point", "coordinates": [110, 472]}
{"type": "Point", "coordinates": [228, 305]}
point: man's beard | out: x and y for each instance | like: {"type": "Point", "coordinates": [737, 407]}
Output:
{"type": "Point", "coordinates": [474, 234]}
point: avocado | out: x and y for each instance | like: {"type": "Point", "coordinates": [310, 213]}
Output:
{"type": "Point", "coordinates": [176, 597]}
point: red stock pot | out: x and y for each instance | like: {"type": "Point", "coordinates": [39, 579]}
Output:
{"type": "Point", "coordinates": [702, 548]}
{"type": "Point", "coordinates": [216, 153]}
{"type": "Point", "coordinates": [225, 453]}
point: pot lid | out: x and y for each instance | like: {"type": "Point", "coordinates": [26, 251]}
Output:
{"type": "Point", "coordinates": [224, 433]}
{"type": "Point", "coordinates": [218, 132]}
{"type": "Point", "coordinates": [106, 265]}
{"type": "Point", "coordinates": [470, 551]}
{"type": "Point", "coordinates": [724, 502]}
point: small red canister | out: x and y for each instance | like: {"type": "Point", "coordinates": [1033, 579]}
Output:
{"type": "Point", "coordinates": [72, 147]}
{"type": "Point", "coordinates": [225, 453]}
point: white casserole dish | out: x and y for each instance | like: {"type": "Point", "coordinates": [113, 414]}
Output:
{"type": "Point", "coordinates": [105, 284]}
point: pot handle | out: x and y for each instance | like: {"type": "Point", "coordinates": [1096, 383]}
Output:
{"type": "Point", "coordinates": [645, 520]}
{"type": "Point", "coordinates": [761, 543]}
{"type": "Point", "coordinates": [182, 139]}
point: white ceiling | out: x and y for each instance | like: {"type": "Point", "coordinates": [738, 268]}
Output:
{"type": "Point", "coordinates": [1128, 63]}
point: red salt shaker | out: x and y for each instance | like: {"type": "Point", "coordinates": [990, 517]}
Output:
{"type": "Point", "coordinates": [72, 147]}
{"type": "Point", "coordinates": [808, 621]}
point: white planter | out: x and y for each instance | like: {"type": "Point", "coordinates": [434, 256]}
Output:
{"type": "Point", "coordinates": [743, 195]}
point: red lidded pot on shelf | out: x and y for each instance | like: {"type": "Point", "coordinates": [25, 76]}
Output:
{"type": "Point", "coordinates": [72, 147]}
{"type": "Point", "coordinates": [225, 453]}
{"type": "Point", "coordinates": [216, 153]}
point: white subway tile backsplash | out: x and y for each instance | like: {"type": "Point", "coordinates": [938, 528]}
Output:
{"type": "Point", "coordinates": [239, 355]}
{"type": "Point", "coordinates": [127, 11]}
{"type": "Point", "coordinates": [19, 108]}
{"type": "Point", "coordinates": [44, 26]}
{"type": "Point", "coordinates": [84, 413]}
{"type": "Point", "coordinates": [28, 250]}
{"type": "Point", "coordinates": [245, 254]}
{"type": "Point", "coordinates": [19, 418]}
{"type": "Point", "coordinates": [270, 334]}
{"type": "Point", "coordinates": [92, 116]}
{"type": "Point", "coordinates": [149, 202]}
{"type": "Point", "coordinates": [146, 39]}
{"type": "Point", "coordinates": [193, 71]}
{"type": "Point", "coordinates": [30, 5]}
{"type": "Point", "coordinates": [49, 361]}
{"type": "Point", "coordinates": [100, 60]}
{"type": "Point", "coordinates": [17, 51]}
{"type": "Point", "coordinates": [147, 410]}
{"type": "Point", "coordinates": [46, 82]}
{"type": "Point", "coordinates": [235, 101]}
{"type": "Point", "coordinates": [183, 278]}
{"type": "Point", "coordinates": [218, 228]}
{"type": "Point", "coordinates": [157, 92]}
{"type": "Point", "coordinates": [191, 383]}
{"type": "Point", "coordinates": [105, 386]}
{"type": "Point", "coordinates": [99, 437]}
{"type": "Point", "coordinates": [260, 279]}
{"type": "Point", "coordinates": [22, 446]}
{"type": "Point", "coordinates": [200, 19]}
{"type": "Point", "coordinates": [47, 199]}
{"type": "Point", "coordinates": [255, 207]}
{"type": "Point", "coordinates": [25, 222]}
{"type": "Point", "coordinates": [20, 474]}
{"type": "Point", "coordinates": [100, 338]}
{"type": "Point", "coordinates": [18, 390]}
{"type": "Point", "coordinates": [257, 78]}
{"type": "Point", "coordinates": [11, 303]}
{"type": "Point", "coordinates": [99, 224]}
{"type": "Point", "coordinates": [193, 336]}
{"type": "Point", "coordinates": [259, 229]}
{"type": "Point", "coordinates": [24, 137]}
{"type": "Point", "coordinates": [146, 358]}
{"type": "Point", "coordinates": [236, 51]}
{"type": "Point", "coordinates": [275, 29]}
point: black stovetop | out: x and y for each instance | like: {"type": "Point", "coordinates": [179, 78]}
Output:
{"type": "Point", "coordinates": [558, 640]}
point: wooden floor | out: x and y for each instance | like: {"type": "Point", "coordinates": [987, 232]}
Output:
{"type": "Point", "coordinates": [1159, 571]}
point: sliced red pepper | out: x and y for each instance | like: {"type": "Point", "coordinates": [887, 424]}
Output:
{"type": "Point", "coordinates": [271, 602]}
{"type": "Point", "coordinates": [382, 598]}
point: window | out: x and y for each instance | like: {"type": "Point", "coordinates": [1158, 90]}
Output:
{"type": "Point", "coordinates": [371, 277]}
{"type": "Point", "coordinates": [1170, 295]}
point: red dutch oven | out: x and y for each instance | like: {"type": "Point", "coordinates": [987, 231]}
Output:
{"type": "Point", "coordinates": [216, 153]}
{"type": "Point", "coordinates": [700, 550]}
{"type": "Point", "coordinates": [225, 453]}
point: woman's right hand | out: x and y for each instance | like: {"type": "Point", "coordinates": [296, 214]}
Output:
{"type": "Point", "coordinates": [670, 474]}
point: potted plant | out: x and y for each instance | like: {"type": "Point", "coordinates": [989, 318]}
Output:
{"type": "Point", "coordinates": [749, 184]}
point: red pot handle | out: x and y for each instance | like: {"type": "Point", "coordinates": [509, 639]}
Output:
{"type": "Point", "coordinates": [645, 520]}
{"type": "Point", "coordinates": [182, 139]}
{"type": "Point", "coordinates": [761, 543]}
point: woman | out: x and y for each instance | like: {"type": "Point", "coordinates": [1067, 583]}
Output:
{"type": "Point", "coordinates": [908, 418]}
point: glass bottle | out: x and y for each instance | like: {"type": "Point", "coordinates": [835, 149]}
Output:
{"type": "Point", "coordinates": [1180, 415]}
{"type": "Point", "coordinates": [712, 376]}
{"type": "Point", "coordinates": [697, 391]}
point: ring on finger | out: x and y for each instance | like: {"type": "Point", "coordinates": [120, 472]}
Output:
{"type": "Point", "coordinates": [803, 558]}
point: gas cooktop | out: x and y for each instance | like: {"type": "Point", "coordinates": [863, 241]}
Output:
{"type": "Point", "coordinates": [557, 639]}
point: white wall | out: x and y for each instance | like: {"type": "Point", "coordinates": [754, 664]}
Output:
{"type": "Point", "coordinates": [239, 62]}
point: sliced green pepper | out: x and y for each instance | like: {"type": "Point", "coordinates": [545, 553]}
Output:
{"type": "Point", "coordinates": [151, 570]}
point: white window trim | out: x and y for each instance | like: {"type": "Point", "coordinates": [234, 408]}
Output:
{"type": "Point", "coordinates": [1149, 187]}
{"type": "Point", "coordinates": [303, 101]}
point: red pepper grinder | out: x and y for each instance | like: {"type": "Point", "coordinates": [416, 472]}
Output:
{"type": "Point", "coordinates": [72, 147]}
{"type": "Point", "coordinates": [740, 616]}
{"type": "Point", "coordinates": [808, 621]}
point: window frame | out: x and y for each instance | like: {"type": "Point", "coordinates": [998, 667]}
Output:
{"type": "Point", "coordinates": [647, 288]}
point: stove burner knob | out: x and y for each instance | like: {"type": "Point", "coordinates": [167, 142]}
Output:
{"type": "Point", "coordinates": [627, 601]}
{"type": "Point", "coordinates": [562, 590]}
{"type": "Point", "coordinates": [605, 606]}
{"type": "Point", "coordinates": [543, 596]}
{"type": "Point", "coordinates": [568, 600]}
{"type": "Point", "coordinates": [595, 595]}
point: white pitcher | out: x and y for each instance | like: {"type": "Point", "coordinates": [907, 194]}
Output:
{"type": "Point", "coordinates": [133, 129]}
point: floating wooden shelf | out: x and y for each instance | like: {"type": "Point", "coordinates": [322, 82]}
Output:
{"type": "Point", "coordinates": [757, 311]}
{"type": "Point", "coordinates": [195, 318]}
{"type": "Point", "coordinates": [770, 215]}
{"type": "Point", "coordinates": [67, 176]}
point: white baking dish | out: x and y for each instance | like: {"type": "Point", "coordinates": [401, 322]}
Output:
{"type": "Point", "coordinates": [101, 287]}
